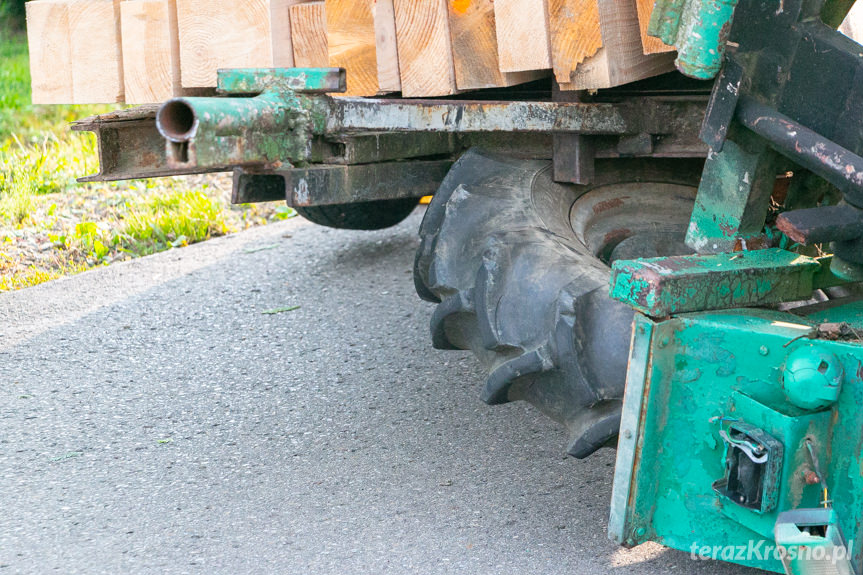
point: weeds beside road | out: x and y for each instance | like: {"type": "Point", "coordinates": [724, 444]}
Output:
{"type": "Point", "coordinates": [52, 226]}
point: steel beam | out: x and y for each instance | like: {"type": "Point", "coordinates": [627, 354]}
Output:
{"type": "Point", "coordinates": [130, 146]}
{"type": "Point", "coordinates": [454, 116]}
{"type": "Point", "coordinates": [330, 185]}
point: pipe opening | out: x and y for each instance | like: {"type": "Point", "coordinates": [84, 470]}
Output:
{"type": "Point", "coordinates": [177, 121]}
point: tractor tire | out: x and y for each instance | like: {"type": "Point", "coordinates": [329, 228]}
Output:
{"type": "Point", "coordinates": [376, 215]}
{"type": "Point", "coordinates": [527, 292]}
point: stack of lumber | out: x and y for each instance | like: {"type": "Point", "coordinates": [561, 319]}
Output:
{"type": "Point", "coordinates": [146, 51]}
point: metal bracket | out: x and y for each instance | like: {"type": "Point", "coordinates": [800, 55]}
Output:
{"type": "Point", "coordinates": [327, 185]}
{"type": "Point", "coordinates": [662, 287]}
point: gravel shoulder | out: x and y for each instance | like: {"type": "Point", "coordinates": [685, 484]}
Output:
{"type": "Point", "coordinates": [153, 419]}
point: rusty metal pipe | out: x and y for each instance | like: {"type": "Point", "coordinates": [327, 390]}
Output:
{"type": "Point", "coordinates": [177, 121]}
{"type": "Point", "coordinates": [273, 127]}
{"type": "Point", "coordinates": [184, 119]}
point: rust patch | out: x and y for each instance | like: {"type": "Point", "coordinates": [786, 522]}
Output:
{"type": "Point", "coordinates": [151, 159]}
{"type": "Point", "coordinates": [761, 242]}
{"type": "Point", "coordinates": [727, 229]}
{"type": "Point", "coordinates": [781, 187]}
{"type": "Point", "coordinates": [607, 205]}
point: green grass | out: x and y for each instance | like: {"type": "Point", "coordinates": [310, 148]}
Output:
{"type": "Point", "coordinates": [169, 216]}
{"type": "Point", "coordinates": [38, 154]}
{"type": "Point", "coordinates": [86, 225]}
{"type": "Point", "coordinates": [14, 82]}
{"type": "Point", "coordinates": [46, 167]}
{"type": "Point", "coordinates": [173, 219]}
{"type": "Point", "coordinates": [33, 276]}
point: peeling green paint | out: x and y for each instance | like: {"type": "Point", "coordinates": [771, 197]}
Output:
{"type": "Point", "coordinates": [269, 120]}
{"type": "Point", "coordinates": [258, 80]}
{"type": "Point", "coordinates": [698, 29]}
{"type": "Point", "coordinates": [664, 489]}
{"type": "Point", "coordinates": [734, 194]}
{"type": "Point", "coordinates": [273, 127]}
{"type": "Point", "coordinates": [661, 287]}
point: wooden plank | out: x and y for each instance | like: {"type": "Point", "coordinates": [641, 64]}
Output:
{"type": "Point", "coordinates": [591, 74]}
{"type": "Point", "coordinates": [97, 59]}
{"type": "Point", "coordinates": [151, 64]}
{"type": "Point", "coordinates": [280, 26]}
{"type": "Point", "coordinates": [50, 52]}
{"type": "Point", "coordinates": [575, 35]}
{"type": "Point", "coordinates": [523, 36]}
{"type": "Point", "coordinates": [650, 44]}
{"type": "Point", "coordinates": [361, 39]}
{"type": "Point", "coordinates": [389, 78]}
{"type": "Point", "coordinates": [621, 35]}
{"type": "Point", "coordinates": [474, 46]}
{"type": "Point", "coordinates": [352, 43]}
{"type": "Point", "coordinates": [222, 34]}
{"type": "Point", "coordinates": [424, 48]}
{"type": "Point", "coordinates": [309, 35]}
{"type": "Point", "coordinates": [621, 59]}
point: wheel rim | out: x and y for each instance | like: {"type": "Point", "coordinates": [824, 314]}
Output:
{"type": "Point", "coordinates": [633, 220]}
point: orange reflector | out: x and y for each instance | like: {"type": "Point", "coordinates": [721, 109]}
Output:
{"type": "Point", "coordinates": [426, 200]}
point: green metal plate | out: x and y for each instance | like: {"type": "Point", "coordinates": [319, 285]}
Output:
{"type": "Point", "coordinates": [729, 364]}
{"type": "Point", "coordinates": [660, 287]}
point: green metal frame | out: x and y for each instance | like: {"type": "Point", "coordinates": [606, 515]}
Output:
{"type": "Point", "coordinates": [661, 287]}
{"type": "Point", "coordinates": [691, 374]}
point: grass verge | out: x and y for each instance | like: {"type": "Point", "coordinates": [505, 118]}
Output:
{"type": "Point", "coordinates": [51, 226]}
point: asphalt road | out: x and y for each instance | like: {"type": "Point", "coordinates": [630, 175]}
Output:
{"type": "Point", "coordinates": [154, 420]}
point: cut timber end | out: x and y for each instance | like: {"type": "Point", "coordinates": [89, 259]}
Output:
{"type": "Point", "coordinates": [621, 35]}
{"type": "Point", "coordinates": [150, 59]}
{"type": "Point", "coordinates": [424, 48]}
{"type": "Point", "coordinates": [97, 60]}
{"type": "Point", "coordinates": [650, 44]}
{"type": "Point", "coordinates": [575, 35]}
{"type": "Point", "coordinates": [474, 46]}
{"type": "Point", "coordinates": [92, 51]}
{"type": "Point", "coordinates": [361, 39]}
{"type": "Point", "coordinates": [523, 39]}
{"type": "Point", "coordinates": [621, 59]}
{"type": "Point", "coordinates": [309, 34]}
{"type": "Point", "coordinates": [50, 52]}
{"type": "Point", "coordinates": [591, 74]}
{"type": "Point", "coordinates": [218, 34]}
